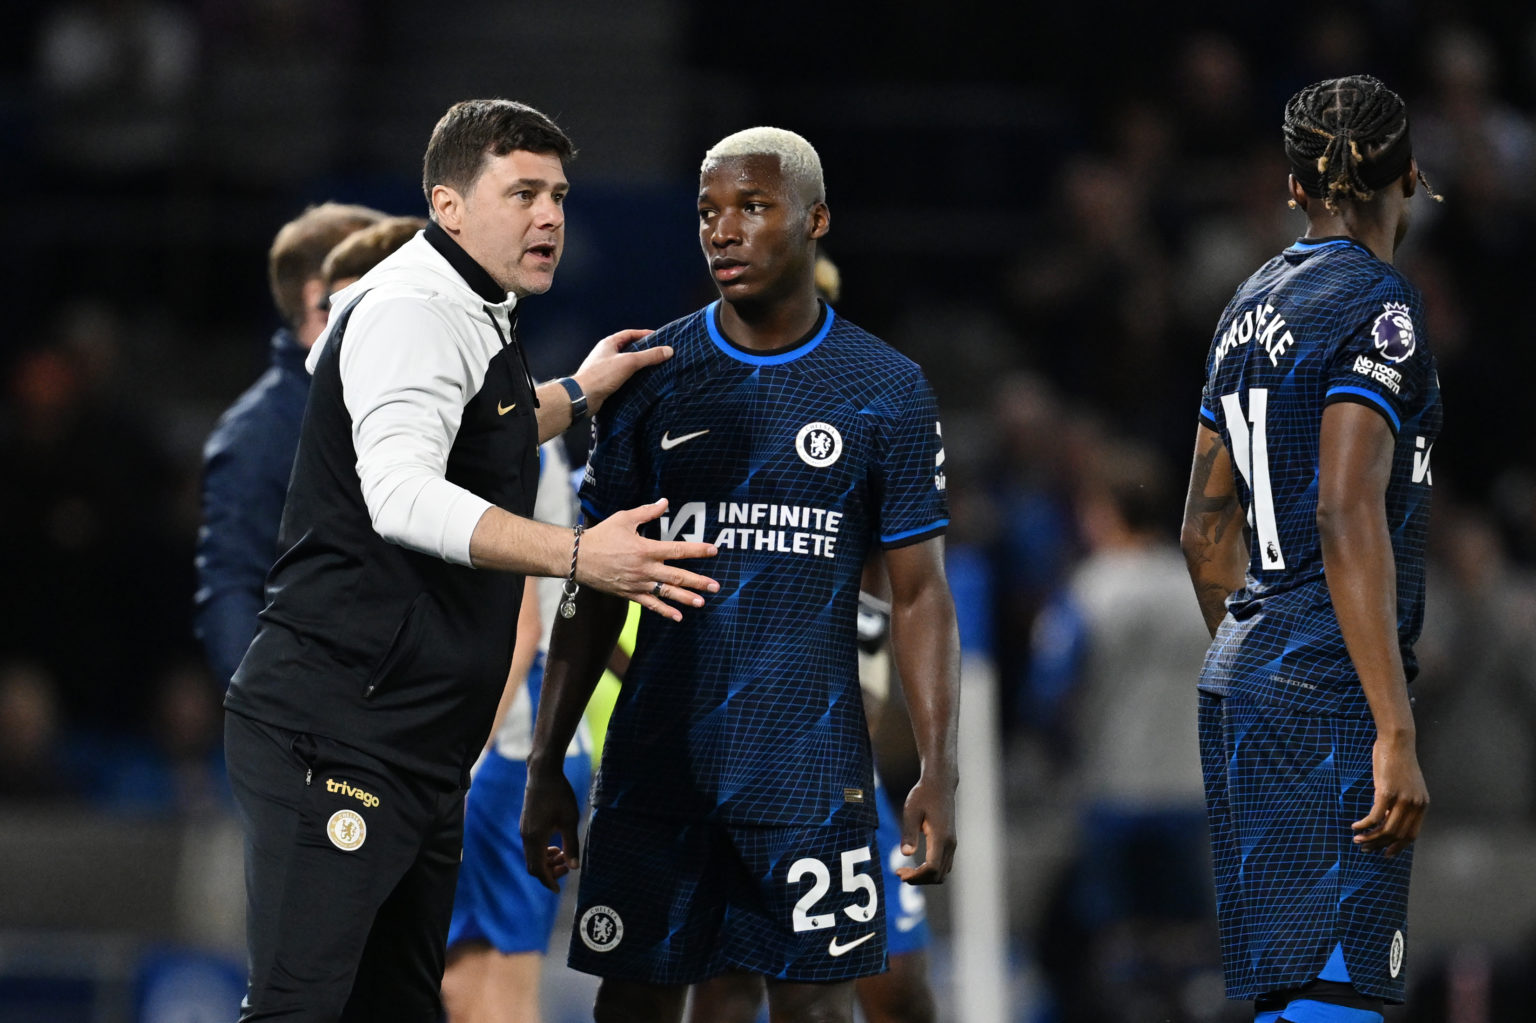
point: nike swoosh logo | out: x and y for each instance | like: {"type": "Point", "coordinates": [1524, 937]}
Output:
{"type": "Point", "coordinates": [834, 949]}
{"type": "Point", "coordinates": [502, 410]}
{"type": "Point", "coordinates": [668, 442]}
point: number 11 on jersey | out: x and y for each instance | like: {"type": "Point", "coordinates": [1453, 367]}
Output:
{"type": "Point", "coordinates": [1249, 449]}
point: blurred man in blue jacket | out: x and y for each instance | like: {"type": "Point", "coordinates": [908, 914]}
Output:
{"type": "Point", "coordinates": [249, 456]}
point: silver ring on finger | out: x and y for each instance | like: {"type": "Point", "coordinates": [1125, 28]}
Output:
{"type": "Point", "coordinates": [656, 590]}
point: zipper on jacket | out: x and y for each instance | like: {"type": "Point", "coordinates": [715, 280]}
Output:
{"type": "Point", "coordinates": [516, 346]}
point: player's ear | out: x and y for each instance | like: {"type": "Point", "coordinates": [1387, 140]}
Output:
{"type": "Point", "coordinates": [1299, 196]}
{"type": "Point", "coordinates": [1411, 179]}
{"type": "Point", "coordinates": [819, 221]}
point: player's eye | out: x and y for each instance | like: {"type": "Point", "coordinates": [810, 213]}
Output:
{"type": "Point", "coordinates": [705, 214]}
{"type": "Point", "coordinates": [754, 207]}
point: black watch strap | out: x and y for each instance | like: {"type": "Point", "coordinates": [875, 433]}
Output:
{"type": "Point", "coordinates": [578, 397]}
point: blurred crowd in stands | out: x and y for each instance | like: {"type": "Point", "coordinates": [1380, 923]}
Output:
{"type": "Point", "coordinates": [156, 146]}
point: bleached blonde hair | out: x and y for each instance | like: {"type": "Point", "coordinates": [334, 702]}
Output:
{"type": "Point", "coordinates": [797, 158]}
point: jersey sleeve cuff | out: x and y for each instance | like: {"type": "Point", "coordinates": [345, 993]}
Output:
{"type": "Point", "coordinates": [907, 538]}
{"type": "Point", "coordinates": [1207, 417]}
{"type": "Point", "coordinates": [463, 515]}
{"type": "Point", "coordinates": [1368, 398]}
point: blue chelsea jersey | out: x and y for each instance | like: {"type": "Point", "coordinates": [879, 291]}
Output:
{"type": "Point", "coordinates": [793, 463]}
{"type": "Point", "coordinates": [1325, 321]}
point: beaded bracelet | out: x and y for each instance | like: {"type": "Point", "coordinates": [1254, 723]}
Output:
{"type": "Point", "coordinates": [571, 588]}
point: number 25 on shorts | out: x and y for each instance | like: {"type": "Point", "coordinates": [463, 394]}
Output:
{"type": "Point", "coordinates": [821, 883]}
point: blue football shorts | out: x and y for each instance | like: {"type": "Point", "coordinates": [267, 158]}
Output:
{"type": "Point", "coordinates": [1282, 789]}
{"type": "Point", "coordinates": [676, 902]}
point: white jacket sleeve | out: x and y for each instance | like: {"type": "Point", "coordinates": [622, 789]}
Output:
{"type": "Point", "coordinates": [405, 380]}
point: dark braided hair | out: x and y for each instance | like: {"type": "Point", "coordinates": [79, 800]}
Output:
{"type": "Point", "coordinates": [1346, 138]}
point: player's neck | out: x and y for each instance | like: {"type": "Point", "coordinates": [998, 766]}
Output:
{"type": "Point", "coordinates": [772, 323]}
{"type": "Point", "coordinates": [1373, 233]}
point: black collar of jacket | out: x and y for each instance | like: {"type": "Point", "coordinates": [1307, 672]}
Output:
{"type": "Point", "coordinates": [473, 273]}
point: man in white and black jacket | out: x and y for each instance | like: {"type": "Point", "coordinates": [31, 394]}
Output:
{"type": "Point", "coordinates": [371, 684]}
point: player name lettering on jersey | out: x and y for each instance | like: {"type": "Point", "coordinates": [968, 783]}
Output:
{"type": "Point", "coordinates": [755, 526]}
{"type": "Point", "coordinates": [1369, 367]}
{"type": "Point", "coordinates": [1260, 322]}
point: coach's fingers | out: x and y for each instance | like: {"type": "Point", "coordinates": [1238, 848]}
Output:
{"type": "Point", "coordinates": [685, 550]}
{"type": "Point", "coordinates": [659, 606]}
{"type": "Point", "coordinates": [648, 356]}
{"type": "Point", "coordinates": [621, 339]}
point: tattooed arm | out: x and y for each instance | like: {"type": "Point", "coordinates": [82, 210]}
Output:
{"type": "Point", "coordinates": [1213, 538]}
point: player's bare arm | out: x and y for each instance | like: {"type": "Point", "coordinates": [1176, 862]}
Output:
{"type": "Point", "coordinates": [1213, 539]}
{"type": "Point", "coordinates": [612, 557]}
{"type": "Point", "coordinates": [605, 369]}
{"type": "Point", "coordinates": [578, 653]}
{"type": "Point", "coordinates": [926, 641]}
{"type": "Point", "coordinates": [1355, 465]}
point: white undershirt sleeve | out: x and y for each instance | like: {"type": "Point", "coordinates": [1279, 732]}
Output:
{"type": "Point", "coordinates": [405, 380]}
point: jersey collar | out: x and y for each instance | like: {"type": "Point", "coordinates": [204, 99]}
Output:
{"type": "Point", "coordinates": [1314, 244]}
{"type": "Point", "coordinates": [778, 356]}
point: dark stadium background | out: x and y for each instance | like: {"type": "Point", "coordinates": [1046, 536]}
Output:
{"type": "Point", "coordinates": [1046, 206]}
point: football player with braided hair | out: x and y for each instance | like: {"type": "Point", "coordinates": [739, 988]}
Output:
{"type": "Point", "coordinates": [1304, 533]}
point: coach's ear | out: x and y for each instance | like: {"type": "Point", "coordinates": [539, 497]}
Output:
{"type": "Point", "coordinates": [447, 207]}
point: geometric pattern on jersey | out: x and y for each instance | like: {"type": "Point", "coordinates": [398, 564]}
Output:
{"type": "Point", "coordinates": [497, 901]}
{"type": "Point", "coordinates": [666, 903]}
{"type": "Point", "coordinates": [1282, 789]}
{"type": "Point", "coordinates": [906, 907]}
{"type": "Point", "coordinates": [794, 463]}
{"type": "Point", "coordinates": [1323, 322]}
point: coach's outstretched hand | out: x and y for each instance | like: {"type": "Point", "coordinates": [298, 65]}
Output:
{"type": "Point", "coordinates": [608, 365]}
{"type": "Point", "coordinates": [549, 809]}
{"type": "Point", "coordinates": [616, 559]}
{"type": "Point", "coordinates": [929, 811]}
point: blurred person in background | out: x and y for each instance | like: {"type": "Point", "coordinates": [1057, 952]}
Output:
{"type": "Point", "coordinates": [33, 764]}
{"type": "Point", "coordinates": [1320, 410]}
{"type": "Point", "coordinates": [119, 79]}
{"type": "Point", "coordinates": [361, 251]}
{"type": "Point", "coordinates": [249, 455]}
{"type": "Point", "coordinates": [179, 769]}
{"type": "Point", "coordinates": [89, 481]}
{"type": "Point", "coordinates": [1477, 692]}
{"type": "Point", "coordinates": [1124, 927]}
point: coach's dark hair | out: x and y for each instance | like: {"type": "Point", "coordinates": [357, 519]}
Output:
{"type": "Point", "coordinates": [1346, 138]}
{"type": "Point", "coordinates": [476, 128]}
